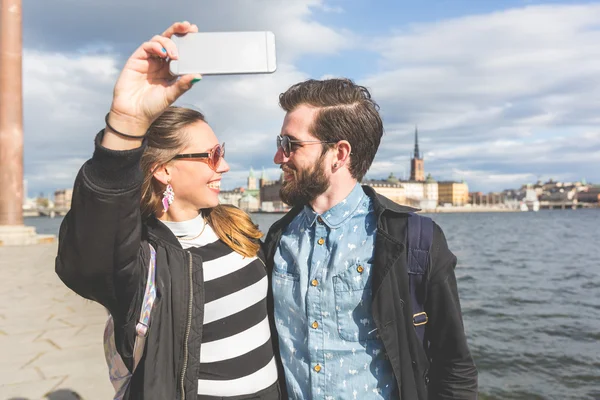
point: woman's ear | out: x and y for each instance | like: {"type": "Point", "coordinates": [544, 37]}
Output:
{"type": "Point", "coordinates": [162, 174]}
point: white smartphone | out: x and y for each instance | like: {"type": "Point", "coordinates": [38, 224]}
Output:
{"type": "Point", "coordinates": [224, 53]}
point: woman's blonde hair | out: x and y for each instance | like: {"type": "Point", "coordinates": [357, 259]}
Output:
{"type": "Point", "coordinates": [166, 138]}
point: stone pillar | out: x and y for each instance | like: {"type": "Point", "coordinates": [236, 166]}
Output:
{"type": "Point", "coordinates": [12, 230]}
{"type": "Point", "coordinates": [11, 114]}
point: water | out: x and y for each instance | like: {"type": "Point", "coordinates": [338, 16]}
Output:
{"type": "Point", "coordinates": [530, 292]}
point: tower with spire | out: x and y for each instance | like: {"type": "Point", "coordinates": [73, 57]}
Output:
{"type": "Point", "coordinates": [263, 178]}
{"type": "Point", "coordinates": [417, 167]}
{"type": "Point", "coordinates": [252, 182]}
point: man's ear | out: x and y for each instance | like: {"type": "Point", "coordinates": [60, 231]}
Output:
{"type": "Point", "coordinates": [342, 154]}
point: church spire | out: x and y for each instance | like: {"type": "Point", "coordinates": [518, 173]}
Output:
{"type": "Point", "coordinates": [417, 153]}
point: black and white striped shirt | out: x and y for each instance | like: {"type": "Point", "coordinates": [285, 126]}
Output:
{"type": "Point", "coordinates": [236, 356]}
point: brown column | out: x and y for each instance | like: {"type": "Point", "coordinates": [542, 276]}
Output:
{"type": "Point", "coordinates": [11, 114]}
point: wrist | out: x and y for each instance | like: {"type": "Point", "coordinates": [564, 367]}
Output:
{"type": "Point", "coordinates": [122, 124]}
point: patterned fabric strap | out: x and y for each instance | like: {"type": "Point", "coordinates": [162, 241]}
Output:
{"type": "Point", "coordinates": [144, 322]}
{"type": "Point", "coordinates": [149, 297]}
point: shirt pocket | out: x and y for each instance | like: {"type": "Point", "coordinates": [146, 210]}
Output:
{"type": "Point", "coordinates": [286, 290]}
{"type": "Point", "coordinates": [352, 289]}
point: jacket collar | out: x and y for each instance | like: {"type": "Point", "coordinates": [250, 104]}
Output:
{"type": "Point", "coordinates": [382, 204]}
{"type": "Point", "coordinates": [158, 230]}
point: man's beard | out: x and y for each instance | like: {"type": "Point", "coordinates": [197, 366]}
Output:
{"type": "Point", "coordinates": [306, 185]}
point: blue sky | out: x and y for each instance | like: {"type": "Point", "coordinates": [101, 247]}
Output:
{"type": "Point", "coordinates": [504, 92]}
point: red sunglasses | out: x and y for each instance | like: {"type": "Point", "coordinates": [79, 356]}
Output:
{"type": "Point", "coordinates": [212, 158]}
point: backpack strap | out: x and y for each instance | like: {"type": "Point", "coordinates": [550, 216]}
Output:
{"type": "Point", "coordinates": [141, 328]}
{"type": "Point", "coordinates": [420, 238]}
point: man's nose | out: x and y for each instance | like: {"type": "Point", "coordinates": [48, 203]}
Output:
{"type": "Point", "coordinates": [280, 158]}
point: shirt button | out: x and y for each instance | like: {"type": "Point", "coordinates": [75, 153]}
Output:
{"type": "Point", "coordinates": [315, 325]}
{"type": "Point", "coordinates": [317, 368]}
{"type": "Point", "coordinates": [360, 269]}
{"type": "Point", "coordinates": [321, 241]}
{"type": "Point", "coordinates": [314, 282]}
{"type": "Point", "coordinates": [320, 220]}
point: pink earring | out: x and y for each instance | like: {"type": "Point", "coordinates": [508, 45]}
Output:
{"type": "Point", "coordinates": [168, 197]}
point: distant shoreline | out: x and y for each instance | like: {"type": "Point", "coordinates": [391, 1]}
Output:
{"type": "Point", "coordinates": [441, 210]}
{"type": "Point", "coordinates": [445, 210]}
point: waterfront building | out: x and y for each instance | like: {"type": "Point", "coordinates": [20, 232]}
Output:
{"type": "Point", "coordinates": [232, 197]}
{"type": "Point", "coordinates": [591, 194]}
{"type": "Point", "coordinates": [249, 203]}
{"type": "Point", "coordinates": [62, 198]}
{"type": "Point", "coordinates": [269, 195]}
{"type": "Point", "coordinates": [252, 186]}
{"type": "Point", "coordinates": [454, 193]}
{"type": "Point", "coordinates": [390, 188]}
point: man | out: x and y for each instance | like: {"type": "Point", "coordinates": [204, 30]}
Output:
{"type": "Point", "coordinates": [339, 265]}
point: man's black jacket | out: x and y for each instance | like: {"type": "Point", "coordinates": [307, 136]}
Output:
{"type": "Point", "coordinates": [450, 372]}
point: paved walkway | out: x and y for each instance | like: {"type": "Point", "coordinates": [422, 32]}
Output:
{"type": "Point", "coordinates": [50, 338]}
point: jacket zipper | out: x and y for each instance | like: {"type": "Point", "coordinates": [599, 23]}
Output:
{"type": "Point", "coordinates": [187, 329]}
{"type": "Point", "coordinates": [263, 263]}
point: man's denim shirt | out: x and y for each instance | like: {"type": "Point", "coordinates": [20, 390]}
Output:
{"type": "Point", "coordinates": [322, 288]}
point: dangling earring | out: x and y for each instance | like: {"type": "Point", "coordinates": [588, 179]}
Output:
{"type": "Point", "coordinates": [168, 197]}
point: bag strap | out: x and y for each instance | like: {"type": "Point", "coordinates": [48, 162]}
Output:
{"type": "Point", "coordinates": [420, 238]}
{"type": "Point", "coordinates": [143, 324]}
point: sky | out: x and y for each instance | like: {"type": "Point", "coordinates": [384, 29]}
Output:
{"type": "Point", "coordinates": [504, 93]}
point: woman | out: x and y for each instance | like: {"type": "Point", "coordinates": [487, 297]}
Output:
{"type": "Point", "coordinates": [154, 179]}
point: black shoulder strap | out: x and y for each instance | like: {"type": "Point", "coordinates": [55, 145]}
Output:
{"type": "Point", "coordinates": [420, 238]}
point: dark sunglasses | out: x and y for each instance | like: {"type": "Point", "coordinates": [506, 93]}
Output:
{"type": "Point", "coordinates": [285, 143]}
{"type": "Point", "coordinates": [212, 158]}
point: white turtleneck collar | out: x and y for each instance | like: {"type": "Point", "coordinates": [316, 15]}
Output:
{"type": "Point", "coordinates": [188, 232]}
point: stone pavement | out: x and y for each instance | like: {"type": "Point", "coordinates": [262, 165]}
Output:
{"type": "Point", "coordinates": [50, 338]}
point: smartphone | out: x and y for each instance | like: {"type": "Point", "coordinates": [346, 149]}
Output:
{"type": "Point", "coordinates": [224, 53]}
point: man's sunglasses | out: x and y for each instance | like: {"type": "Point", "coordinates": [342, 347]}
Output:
{"type": "Point", "coordinates": [285, 143]}
{"type": "Point", "coordinates": [212, 158]}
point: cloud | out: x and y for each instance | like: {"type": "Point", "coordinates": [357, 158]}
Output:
{"type": "Point", "coordinates": [92, 26]}
{"type": "Point", "coordinates": [497, 97]}
{"type": "Point", "coordinates": [75, 50]}
{"type": "Point", "coordinates": [492, 87]}
{"type": "Point", "coordinates": [65, 98]}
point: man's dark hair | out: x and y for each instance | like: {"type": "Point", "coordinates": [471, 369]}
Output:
{"type": "Point", "coordinates": [346, 112]}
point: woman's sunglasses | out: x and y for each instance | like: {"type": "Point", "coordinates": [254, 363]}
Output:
{"type": "Point", "coordinates": [212, 158]}
{"type": "Point", "coordinates": [285, 143]}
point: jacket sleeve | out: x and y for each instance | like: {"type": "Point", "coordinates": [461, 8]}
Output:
{"type": "Point", "coordinates": [453, 374]}
{"type": "Point", "coordinates": [99, 253]}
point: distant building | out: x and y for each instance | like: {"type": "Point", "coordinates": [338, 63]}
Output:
{"type": "Point", "coordinates": [231, 196]}
{"type": "Point", "coordinates": [431, 194]}
{"type": "Point", "coordinates": [390, 188]}
{"type": "Point", "coordinates": [418, 191]}
{"type": "Point", "coordinates": [241, 198]}
{"type": "Point", "coordinates": [249, 203]}
{"type": "Point", "coordinates": [252, 188]}
{"type": "Point", "coordinates": [269, 195]}
{"type": "Point", "coordinates": [451, 192]}
{"type": "Point", "coordinates": [254, 185]}
{"type": "Point", "coordinates": [417, 167]}
{"type": "Point", "coordinates": [590, 195]}
{"type": "Point", "coordinates": [62, 198]}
